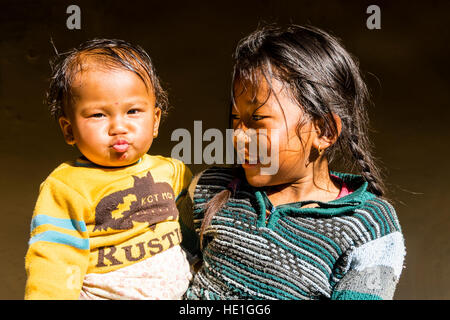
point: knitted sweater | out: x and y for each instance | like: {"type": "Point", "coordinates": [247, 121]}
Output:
{"type": "Point", "coordinates": [348, 248]}
{"type": "Point", "coordinates": [95, 230]}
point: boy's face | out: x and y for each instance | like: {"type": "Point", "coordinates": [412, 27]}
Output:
{"type": "Point", "coordinates": [113, 118]}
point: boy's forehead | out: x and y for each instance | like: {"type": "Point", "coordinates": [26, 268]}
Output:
{"type": "Point", "coordinates": [85, 63]}
{"type": "Point", "coordinates": [93, 78]}
{"type": "Point", "coordinates": [97, 87]}
{"type": "Point", "coordinates": [87, 69]}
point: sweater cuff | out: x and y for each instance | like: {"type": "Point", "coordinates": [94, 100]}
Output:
{"type": "Point", "coordinates": [353, 295]}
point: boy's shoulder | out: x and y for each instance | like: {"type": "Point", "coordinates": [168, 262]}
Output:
{"type": "Point", "coordinates": [158, 160]}
{"type": "Point", "coordinates": [64, 171]}
{"type": "Point", "coordinates": [166, 166]}
{"type": "Point", "coordinates": [170, 170]}
{"type": "Point", "coordinates": [80, 171]}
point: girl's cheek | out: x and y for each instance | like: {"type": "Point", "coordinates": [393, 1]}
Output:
{"type": "Point", "coordinates": [266, 144]}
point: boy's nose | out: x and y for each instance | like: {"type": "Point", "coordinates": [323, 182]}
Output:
{"type": "Point", "coordinates": [117, 126]}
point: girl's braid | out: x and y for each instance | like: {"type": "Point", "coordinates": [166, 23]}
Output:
{"type": "Point", "coordinates": [360, 150]}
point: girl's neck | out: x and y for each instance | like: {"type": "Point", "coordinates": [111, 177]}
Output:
{"type": "Point", "coordinates": [316, 184]}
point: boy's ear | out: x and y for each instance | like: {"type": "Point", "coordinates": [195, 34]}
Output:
{"type": "Point", "coordinates": [66, 128]}
{"type": "Point", "coordinates": [156, 121]}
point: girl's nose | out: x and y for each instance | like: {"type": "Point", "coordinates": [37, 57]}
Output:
{"type": "Point", "coordinates": [240, 126]}
{"type": "Point", "coordinates": [117, 126]}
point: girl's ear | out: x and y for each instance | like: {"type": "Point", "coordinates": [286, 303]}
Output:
{"type": "Point", "coordinates": [322, 141]}
{"type": "Point", "coordinates": [66, 128]}
{"type": "Point", "coordinates": [156, 121]}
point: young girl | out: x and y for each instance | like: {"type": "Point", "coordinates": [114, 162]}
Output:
{"type": "Point", "coordinates": [305, 232]}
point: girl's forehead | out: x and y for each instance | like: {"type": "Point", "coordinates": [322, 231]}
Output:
{"type": "Point", "coordinates": [260, 93]}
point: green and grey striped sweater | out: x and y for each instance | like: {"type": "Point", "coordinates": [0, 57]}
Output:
{"type": "Point", "coordinates": [348, 248]}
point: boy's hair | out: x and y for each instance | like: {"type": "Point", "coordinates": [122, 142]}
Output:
{"type": "Point", "coordinates": [110, 54]}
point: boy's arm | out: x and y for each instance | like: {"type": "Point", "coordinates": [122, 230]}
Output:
{"type": "Point", "coordinates": [374, 269]}
{"type": "Point", "coordinates": [58, 252]}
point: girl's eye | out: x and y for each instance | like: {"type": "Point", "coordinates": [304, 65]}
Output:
{"type": "Point", "coordinates": [234, 117]}
{"type": "Point", "coordinates": [97, 115]}
{"type": "Point", "coordinates": [257, 118]}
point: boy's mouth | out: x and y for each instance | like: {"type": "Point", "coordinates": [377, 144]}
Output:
{"type": "Point", "coordinates": [120, 145]}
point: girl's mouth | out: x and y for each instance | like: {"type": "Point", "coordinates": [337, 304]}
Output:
{"type": "Point", "coordinates": [247, 164]}
{"type": "Point", "coordinates": [121, 146]}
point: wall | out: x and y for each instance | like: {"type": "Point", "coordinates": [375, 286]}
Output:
{"type": "Point", "coordinates": [191, 45]}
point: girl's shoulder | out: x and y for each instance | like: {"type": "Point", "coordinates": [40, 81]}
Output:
{"type": "Point", "coordinates": [211, 181]}
{"type": "Point", "coordinates": [217, 176]}
{"type": "Point", "coordinates": [378, 216]}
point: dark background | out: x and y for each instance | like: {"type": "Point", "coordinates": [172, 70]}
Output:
{"type": "Point", "coordinates": [191, 44]}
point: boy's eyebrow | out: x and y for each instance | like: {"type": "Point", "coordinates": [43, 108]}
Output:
{"type": "Point", "coordinates": [137, 101]}
{"type": "Point", "coordinates": [101, 105]}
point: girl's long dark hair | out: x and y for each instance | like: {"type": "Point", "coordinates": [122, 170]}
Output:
{"type": "Point", "coordinates": [324, 79]}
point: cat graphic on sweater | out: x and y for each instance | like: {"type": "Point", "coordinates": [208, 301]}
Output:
{"type": "Point", "coordinates": [146, 201]}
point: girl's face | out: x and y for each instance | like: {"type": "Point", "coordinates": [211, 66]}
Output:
{"type": "Point", "coordinates": [113, 118]}
{"type": "Point", "coordinates": [273, 110]}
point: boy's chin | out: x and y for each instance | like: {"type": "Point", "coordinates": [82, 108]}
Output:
{"type": "Point", "coordinates": [123, 162]}
{"type": "Point", "coordinates": [115, 162]}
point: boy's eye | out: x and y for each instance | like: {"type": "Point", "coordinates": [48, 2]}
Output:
{"type": "Point", "coordinates": [133, 111]}
{"type": "Point", "coordinates": [97, 115]}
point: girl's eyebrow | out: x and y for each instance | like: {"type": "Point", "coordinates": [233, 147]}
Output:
{"type": "Point", "coordinates": [253, 101]}
{"type": "Point", "coordinates": [260, 104]}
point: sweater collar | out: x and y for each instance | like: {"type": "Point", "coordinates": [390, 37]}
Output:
{"type": "Point", "coordinates": [339, 206]}
{"type": "Point", "coordinates": [84, 162]}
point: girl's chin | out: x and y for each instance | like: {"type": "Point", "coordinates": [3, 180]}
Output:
{"type": "Point", "coordinates": [256, 179]}
{"type": "Point", "coordinates": [248, 166]}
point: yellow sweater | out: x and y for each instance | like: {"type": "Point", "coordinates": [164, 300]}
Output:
{"type": "Point", "coordinates": [91, 219]}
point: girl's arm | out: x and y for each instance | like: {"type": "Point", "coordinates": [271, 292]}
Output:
{"type": "Point", "coordinates": [190, 237]}
{"type": "Point", "coordinates": [373, 270]}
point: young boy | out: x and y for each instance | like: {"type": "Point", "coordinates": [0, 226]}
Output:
{"type": "Point", "coordinates": [106, 225]}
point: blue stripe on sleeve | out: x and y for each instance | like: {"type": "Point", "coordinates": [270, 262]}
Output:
{"type": "Point", "coordinates": [61, 238]}
{"type": "Point", "coordinates": [69, 224]}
